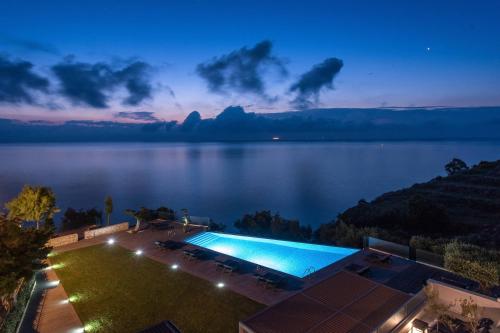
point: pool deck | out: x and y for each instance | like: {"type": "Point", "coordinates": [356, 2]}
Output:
{"type": "Point", "coordinates": [243, 283]}
{"type": "Point", "coordinates": [399, 274]}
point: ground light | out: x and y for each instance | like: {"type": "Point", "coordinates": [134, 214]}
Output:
{"type": "Point", "coordinates": [220, 285]}
{"type": "Point", "coordinates": [174, 266]}
{"type": "Point", "coordinates": [53, 283]}
{"type": "Point", "coordinates": [138, 252]}
{"type": "Point", "coordinates": [57, 266]}
{"type": "Point", "coordinates": [111, 241]}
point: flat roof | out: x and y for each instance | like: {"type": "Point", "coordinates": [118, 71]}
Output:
{"type": "Point", "coordinates": [342, 303]}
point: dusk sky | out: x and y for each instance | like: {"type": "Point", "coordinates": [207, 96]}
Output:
{"type": "Point", "coordinates": [64, 60]}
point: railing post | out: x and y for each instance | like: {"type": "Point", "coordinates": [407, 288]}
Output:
{"type": "Point", "coordinates": [412, 255]}
{"type": "Point", "coordinates": [366, 243]}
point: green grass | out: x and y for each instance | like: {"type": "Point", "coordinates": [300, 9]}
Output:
{"type": "Point", "coordinates": [113, 290]}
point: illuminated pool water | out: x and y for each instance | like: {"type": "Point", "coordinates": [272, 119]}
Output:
{"type": "Point", "coordinates": [298, 259]}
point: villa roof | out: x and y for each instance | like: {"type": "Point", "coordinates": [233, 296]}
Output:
{"type": "Point", "coordinates": [343, 303]}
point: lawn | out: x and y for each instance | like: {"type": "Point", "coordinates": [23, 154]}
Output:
{"type": "Point", "coordinates": [114, 290]}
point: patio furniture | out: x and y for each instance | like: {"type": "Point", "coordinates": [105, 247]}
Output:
{"type": "Point", "coordinates": [195, 254]}
{"type": "Point", "coordinates": [270, 279]}
{"type": "Point", "coordinates": [358, 269]}
{"type": "Point", "coordinates": [169, 245]}
{"type": "Point", "coordinates": [378, 257]}
{"type": "Point", "coordinates": [228, 265]}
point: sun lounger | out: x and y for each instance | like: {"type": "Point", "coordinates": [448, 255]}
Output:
{"type": "Point", "coordinates": [358, 269]}
{"type": "Point", "coordinates": [195, 254]}
{"type": "Point", "coordinates": [269, 279]}
{"type": "Point", "coordinates": [169, 245]}
{"type": "Point", "coordinates": [378, 257]}
{"type": "Point", "coordinates": [228, 265]}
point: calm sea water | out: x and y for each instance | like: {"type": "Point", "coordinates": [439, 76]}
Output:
{"type": "Point", "coordinates": [312, 182]}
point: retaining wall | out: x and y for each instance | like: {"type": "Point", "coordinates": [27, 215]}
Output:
{"type": "Point", "coordinates": [105, 230]}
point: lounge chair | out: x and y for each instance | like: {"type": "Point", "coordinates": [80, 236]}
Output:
{"type": "Point", "coordinates": [169, 245]}
{"type": "Point", "coordinates": [358, 269]}
{"type": "Point", "coordinates": [195, 254]}
{"type": "Point", "coordinates": [270, 279]}
{"type": "Point", "coordinates": [228, 265]}
{"type": "Point", "coordinates": [378, 258]}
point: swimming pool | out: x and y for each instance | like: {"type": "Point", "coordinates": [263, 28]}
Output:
{"type": "Point", "coordinates": [298, 259]}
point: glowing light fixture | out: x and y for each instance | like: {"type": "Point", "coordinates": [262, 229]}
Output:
{"type": "Point", "coordinates": [53, 283]}
{"type": "Point", "coordinates": [111, 241]}
{"type": "Point", "coordinates": [174, 266]}
{"type": "Point", "coordinates": [138, 252]}
{"type": "Point", "coordinates": [57, 266]}
{"type": "Point", "coordinates": [220, 285]}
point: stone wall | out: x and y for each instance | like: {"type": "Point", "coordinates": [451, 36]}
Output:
{"type": "Point", "coordinates": [106, 230]}
{"type": "Point", "coordinates": [63, 240]}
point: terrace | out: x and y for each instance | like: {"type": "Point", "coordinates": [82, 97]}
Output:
{"type": "Point", "coordinates": [138, 283]}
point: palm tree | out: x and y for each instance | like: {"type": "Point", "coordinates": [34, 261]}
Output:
{"type": "Point", "coordinates": [108, 207]}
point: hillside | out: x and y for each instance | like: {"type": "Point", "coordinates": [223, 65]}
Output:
{"type": "Point", "coordinates": [464, 205]}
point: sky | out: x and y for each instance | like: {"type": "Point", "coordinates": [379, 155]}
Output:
{"type": "Point", "coordinates": [149, 60]}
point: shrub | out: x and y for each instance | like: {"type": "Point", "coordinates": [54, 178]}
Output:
{"type": "Point", "coordinates": [13, 319]}
{"type": "Point", "coordinates": [473, 262]}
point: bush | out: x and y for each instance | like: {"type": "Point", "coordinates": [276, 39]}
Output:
{"type": "Point", "coordinates": [13, 319]}
{"type": "Point", "coordinates": [265, 224]}
{"type": "Point", "coordinates": [473, 262]}
{"type": "Point", "coordinates": [343, 234]}
{"type": "Point", "coordinates": [434, 245]}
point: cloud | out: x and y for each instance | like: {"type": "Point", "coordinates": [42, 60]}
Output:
{"type": "Point", "coordinates": [139, 115]}
{"type": "Point", "coordinates": [18, 81]}
{"type": "Point", "coordinates": [28, 45]}
{"type": "Point", "coordinates": [93, 83]}
{"type": "Point", "coordinates": [310, 83]}
{"type": "Point", "coordinates": [241, 70]}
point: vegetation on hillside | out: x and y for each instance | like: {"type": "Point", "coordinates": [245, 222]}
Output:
{"type": "Point", "coordinates": [266, 224]}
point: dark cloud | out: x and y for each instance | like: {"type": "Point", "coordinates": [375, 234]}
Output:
{"type": "Point", "coordinates": [139, 115]}
{"type": "Point", "coordinates": [28, 45]}
{"type": "Point", "coordinates": [18, 81]}
{"type": "Point", "coordinates": [241, 70]}
{"type": "Point", "coordinates": [92, 84]}
{"type": "Point", "coordinates": [310, 83]}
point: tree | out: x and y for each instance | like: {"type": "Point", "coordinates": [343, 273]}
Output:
{"type": "Point", "coordinates": [34, 204]}
{"type": "Point", "coordinates": [74, 219]}
{"type": "Point", "coordinates": [436, 307]}
{"type": "Point", "coordinates": [140, 215]}
{"type": "Point", "coordinates": [455, 166]}
{"type": "Point", "coordinates": [21, 252]}
{"type": "Point", "coordinates": [108, 208]}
